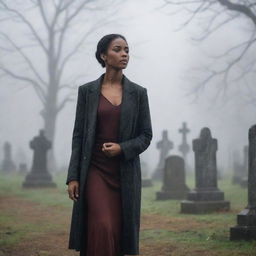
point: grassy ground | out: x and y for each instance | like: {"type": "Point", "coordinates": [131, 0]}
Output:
{"type": "Point", "coordinates": [35, 222]}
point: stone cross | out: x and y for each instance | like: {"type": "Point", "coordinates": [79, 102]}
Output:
{"type": "Point", "coordinates": [246, 219]}
{"type": "Point", "coordinates": [40, 146]}
{"type": "Point", "coordinates": [184, 147]}
{"type": "Point", "coordinates": [8, 165]}
{"type": "Point", "coordinates": [39, 175]}
{"type": "Point", "coordinates": [164, 145]}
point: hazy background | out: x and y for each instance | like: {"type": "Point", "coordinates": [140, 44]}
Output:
{"type": "Point", "coordinates": [162, 60]}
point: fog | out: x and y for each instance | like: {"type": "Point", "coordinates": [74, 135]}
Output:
{"type": "Point", "coordinates": [162, 60]}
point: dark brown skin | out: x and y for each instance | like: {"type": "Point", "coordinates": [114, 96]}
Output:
{"type": "Point", "coordinates": [116, 59]}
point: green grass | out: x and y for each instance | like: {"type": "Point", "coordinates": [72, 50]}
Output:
{"type": "Point", "coordinates": [12, 185]}
{"type": "Point", "coordinates": [210, 231]}
{"type": "Point", "coordinates": [214, 238]}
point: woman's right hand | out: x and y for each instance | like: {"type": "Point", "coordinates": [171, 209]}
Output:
{"type": "Point", "coordinates": [73, 190]}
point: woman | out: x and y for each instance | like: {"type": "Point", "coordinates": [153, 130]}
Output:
{"type": "Point", "coordinates": [112, 127]}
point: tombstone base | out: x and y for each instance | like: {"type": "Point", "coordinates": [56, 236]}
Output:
{"type": "Point", "coordinates": [38, 180]}
{"type": "Point", "coordinates": [205, 195]}
{"type": "Point", "coordinates": [197, 207]}
{"type": "Point", "coordinates": [147, 183]}
{"type": "Point", "coordinates": [246, 226]}
{"type": "Point", "coordinates": [242, 233]}
{"type": "Point", "coordinates": [172, 194]}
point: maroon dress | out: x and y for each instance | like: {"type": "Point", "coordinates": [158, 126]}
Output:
{"type": "Point", "coordinates": [103, 192]}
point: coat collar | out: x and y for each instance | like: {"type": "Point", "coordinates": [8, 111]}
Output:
{"type": "Point", "coordinates": [96, 85]}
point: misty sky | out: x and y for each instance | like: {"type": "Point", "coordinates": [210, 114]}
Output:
{"type": "Point", "coordinates": [161, 60]}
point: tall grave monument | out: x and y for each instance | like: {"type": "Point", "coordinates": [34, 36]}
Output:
{"type": "Point", "coordinates": [244, 180]}
{"type": "Point", "coordinates": [39, 175]}
{"type": "Point", "coordinates": [184, 147]}
{"type": "Point", "coordinates": [237, 168]}
{"type": "Point", "coordinates": [8, 164]}
{"type": "Point", "coordinates": [206, 197]}
{"type": "Point", "coordinates": [164, 146]}
{"type": "Point", "coordinates": [246, 219]}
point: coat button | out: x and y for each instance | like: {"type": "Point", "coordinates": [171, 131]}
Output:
{"type": "Point", "coordinates": [84, 157]}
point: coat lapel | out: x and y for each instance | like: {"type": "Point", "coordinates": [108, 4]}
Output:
{"type": "Point", "coordinates": [93, 102]}
{"type": "Point", "coordinates": [128, 109]}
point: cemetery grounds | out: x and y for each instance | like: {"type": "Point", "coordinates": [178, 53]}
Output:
{"type": "Point", "coordinates": [35, 222]}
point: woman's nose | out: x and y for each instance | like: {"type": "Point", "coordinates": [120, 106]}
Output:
{"type": "Point", "coordinates": [124, 53]}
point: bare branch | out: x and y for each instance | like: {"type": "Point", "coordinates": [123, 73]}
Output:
{"type": "Point", "coordinates": [25, 57]}
{"type": "Point", "coordinates": [41, 8]}
{"type": "Point", "coordinates": [37, 87]}
{"type": "Point", "coordinates": [29, 25]}
{"type": "Point", "coordinates": [79, 44]}
{"type": "Point", "coordinates": [239, 8]}
{"type": "Point", "coordinates": [233, 10]}
{"type": "Point", "coordinates": [209, 31]}
{"type": "Point", "coordinates": [64, 102]}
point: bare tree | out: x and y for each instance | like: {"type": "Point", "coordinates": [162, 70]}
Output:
{"type": "Point", "coordinates": [47, 26]}
{"type": "Point", "coordinates": [237, 61]}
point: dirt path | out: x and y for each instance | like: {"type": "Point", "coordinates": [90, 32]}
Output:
{"type": "Point", "coordinates": [44, 231]}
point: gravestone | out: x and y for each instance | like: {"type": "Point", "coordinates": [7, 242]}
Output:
{"type": "Point", "coordinates": [244, 180]}
{"type": "Point", "coordinates": [164, 146]}
{"type": "Point", "coordinates": [23, 169]}
{"type": "Point", "coordinates": [246, 219]}
{"type": "Point", "coordinates": [206, 197]}
{"type": "Point", "coordinates": [146, 180]}
{"type": "Point", "coordinates": [184, 147]}
{"type": "Point", "coordinates": [39, 175]}
{"type": "Point", "coordinates": [8, 164]}
{"type": "Point", "coordinates": [237, 168]}
{"type": "Point", "coordinates": [174, 186]}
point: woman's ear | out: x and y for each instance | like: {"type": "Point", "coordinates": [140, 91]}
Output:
{"type": "Point", "coordinates": [103, 57]}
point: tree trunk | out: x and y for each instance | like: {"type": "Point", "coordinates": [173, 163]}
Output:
{"type": "Point", "coordinates": [49, 126]}
{"type": "Point", "coordinates": [50, 118]}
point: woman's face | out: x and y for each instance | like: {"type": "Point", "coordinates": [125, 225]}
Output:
{"type": "Point", "coordinates": [117, 55]}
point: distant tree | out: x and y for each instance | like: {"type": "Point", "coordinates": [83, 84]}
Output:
{"type": "Point", "coordinates": [239, 60]}
{"type": "Point", "coordinates": [48, 35]}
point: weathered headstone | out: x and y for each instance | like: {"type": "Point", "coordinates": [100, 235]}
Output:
{"type": "Point", "coordinates": [184, 147]}
{"type": "Point", "coordinates": [237, 168]}
{"type": "Point", "coordinates": [164, 146]}
{"type": "Point", "coordinates": [39, 175]}
{"type": "Point", "coordinates": [8, 164]}
{"type": "Point", "coordinates": [246, 219]}
{"type": "Point", "coordinates": [146, 180]}
{"type": "Point", "coordinates": [206, 197]}
{"type": "Point", "coordinates": [244, 180]}
{"type": "Point", "coordinates": [174, 186]}
{"type": "Point", "coordinates": [23, 169]}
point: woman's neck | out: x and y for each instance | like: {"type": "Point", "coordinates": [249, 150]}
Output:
{"type": "Point", "coordinates": [113, 77]}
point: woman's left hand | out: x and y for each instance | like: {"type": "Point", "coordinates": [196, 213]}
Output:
{"type": "Point", "coordinates": [111, 149]}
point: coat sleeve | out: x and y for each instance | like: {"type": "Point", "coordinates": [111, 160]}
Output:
{"type": "Point", "coordinates": [132, 148]}
{"type": "Point", "coordinates": [77, 139]}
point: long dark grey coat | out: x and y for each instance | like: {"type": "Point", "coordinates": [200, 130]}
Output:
{"type": "Point", "coordinates": [134, 137]}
